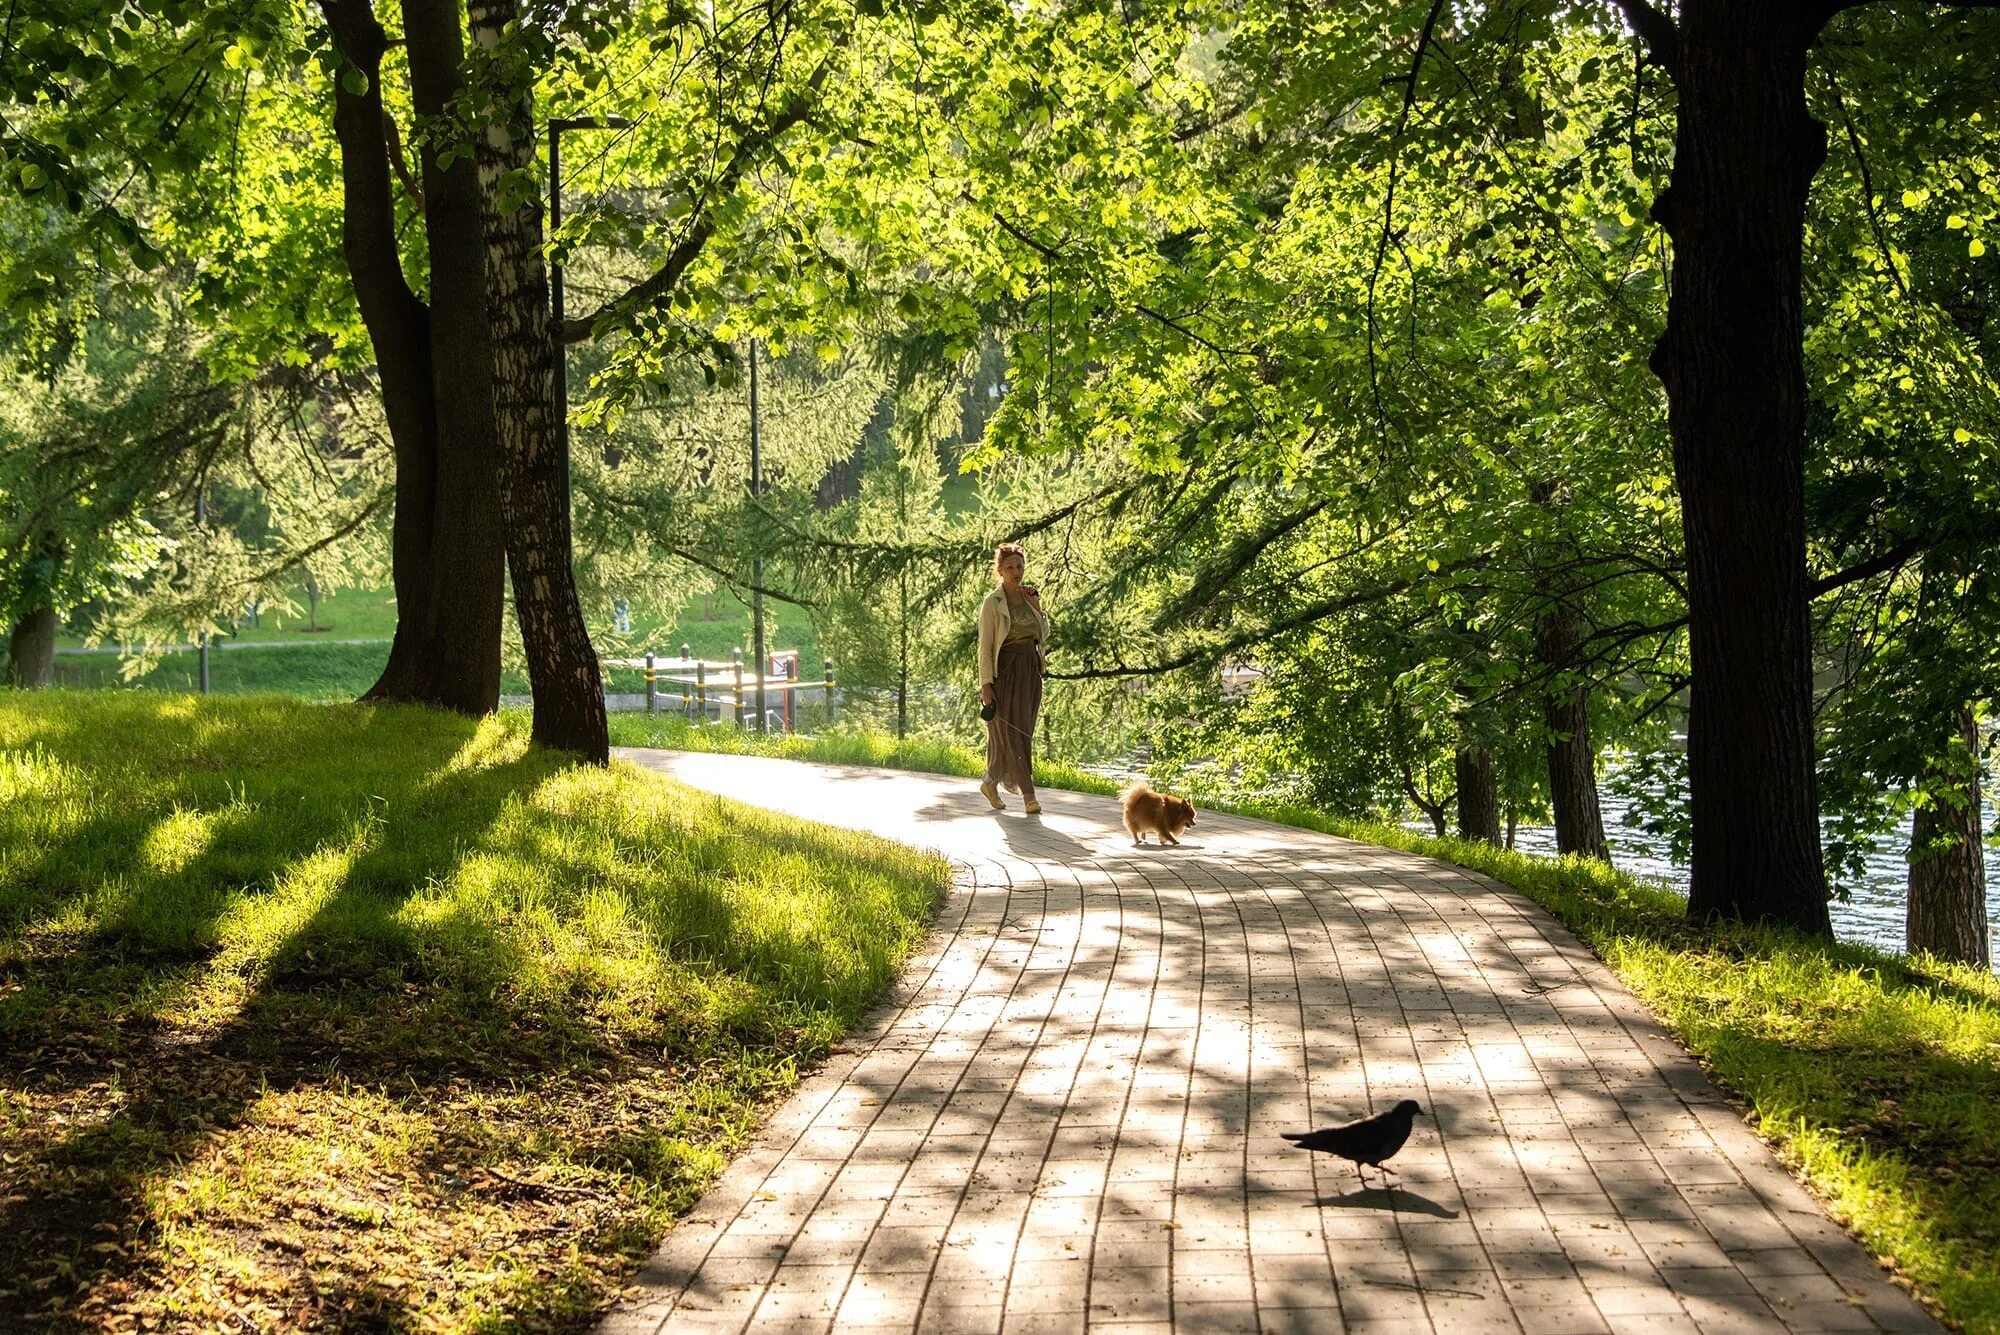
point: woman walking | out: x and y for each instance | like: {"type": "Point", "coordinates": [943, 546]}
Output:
{"type": "Point", "coordinates": [1012, 628]}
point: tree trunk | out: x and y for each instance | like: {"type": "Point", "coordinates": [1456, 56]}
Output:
{"type": "Point", "coordinates": [1571, 754]}
{"type": "Point", "coordinates": [31, 650]}
{"type": "Point", "coordinates": [1733, 365]}
{"type": "Point", "coordinates": [468, 592]}
{"type": "Point", "coordinates": [534, 458]}
{"type": "Point", "coordinates": [445, 552]}
{"type": "Point", "coordinates": [1478, 797]}
{"type": "Point", "coordinates": [1947, 904]}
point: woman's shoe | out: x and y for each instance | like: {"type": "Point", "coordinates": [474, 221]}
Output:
{"type": "Point", "coordinates": [991, 794]}
{"type": "Point", "coordinates": [1033, 808]}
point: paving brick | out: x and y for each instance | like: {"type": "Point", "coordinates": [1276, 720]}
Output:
{"type": "Point", "coordinates": [1064, 1116]}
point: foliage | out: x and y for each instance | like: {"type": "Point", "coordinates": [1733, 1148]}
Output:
{"type": "Point", "coordinates": [1904, 351]}
{"type": "Point", "coordinates": [88, 451]}
{"type": "Point", "coordinates": [377, 1017]}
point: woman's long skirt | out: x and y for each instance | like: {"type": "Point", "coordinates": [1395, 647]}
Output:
{"type": "Point", "coordinates": [1010, 733]}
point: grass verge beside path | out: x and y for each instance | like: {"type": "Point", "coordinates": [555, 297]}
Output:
{"type": "Point", "coordinates": [1877, 1076]}
{"type": "Point", "coordinates": [374, 1018]}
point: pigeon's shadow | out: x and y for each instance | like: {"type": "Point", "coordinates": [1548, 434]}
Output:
{"type": "Point", "coordinates": [1398, 1200]}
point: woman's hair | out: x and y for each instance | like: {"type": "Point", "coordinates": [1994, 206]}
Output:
{"type": "Point", "coordinates": [1005, 550]}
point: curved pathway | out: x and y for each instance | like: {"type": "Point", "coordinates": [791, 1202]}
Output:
{"type": "Point", "coordinates": [1066, 1114]}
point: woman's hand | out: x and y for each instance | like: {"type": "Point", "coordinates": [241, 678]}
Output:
{"type": "Point", "coordinates": [1034, 594]}
{"type": "Point", "coordinates": [986, 694]}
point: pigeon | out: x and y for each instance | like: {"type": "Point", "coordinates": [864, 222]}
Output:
{"type": "Point", "coordinates": [1367, 1141]}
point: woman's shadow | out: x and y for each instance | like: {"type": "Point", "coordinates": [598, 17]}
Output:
{"type": "Point", "coordinates": [1029, 838]}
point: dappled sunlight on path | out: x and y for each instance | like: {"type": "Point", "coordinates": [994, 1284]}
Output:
{"type": "Point", "coordinates": [1067, 1112]}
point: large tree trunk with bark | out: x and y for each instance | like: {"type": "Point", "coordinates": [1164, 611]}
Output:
{"type": "Point", "coordinates": [1947, 904]}
{"type": "Point", "coordinates": [468, 589]}
{"type": "Point", "coordinates": [1478, 796]}
{"type": "Point", "coordinates": [1732, 362]}
{"type": "Point", "coordinates": [1571, 754]}
{"type": "Point", "coordinates": [31, 650]}
{"type": "Point", "coordinates": [445, 539]}
{"type": "Point", "coordinates": [534, 468]}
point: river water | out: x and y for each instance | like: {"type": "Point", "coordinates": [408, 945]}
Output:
{"type": "Point", "coordinates": [1872, 912]}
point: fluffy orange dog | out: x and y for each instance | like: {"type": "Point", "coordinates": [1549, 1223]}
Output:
{"type": "Point", "coordinates": [1147, 810]}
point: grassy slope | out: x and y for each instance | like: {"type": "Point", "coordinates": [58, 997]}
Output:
{"type": "Point", "coordinates": [315, 668]}
{"type": "Point", "coordinates": [1876, 1075]}
{"type": "Point", "coordinates": [353, 1018]}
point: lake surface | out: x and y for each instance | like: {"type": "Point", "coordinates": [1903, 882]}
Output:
{"type": "Point", "coordinates": [1872, 912]}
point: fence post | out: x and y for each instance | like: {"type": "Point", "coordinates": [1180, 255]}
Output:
{"type": "Point", "coordinates": [828, 664]}
{"type": "Point", "coordinates": [792, 682]}
{"type": "Point", "coordinates": [700, 691]}
{"type": "Point", "coordinates": [736, 663]}
{"type": "Point", "coordinates": [687, 701]}
{"type": "Point", "coordinates": [652, 698]}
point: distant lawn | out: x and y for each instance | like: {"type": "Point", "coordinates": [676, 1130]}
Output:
{"type": "Point", "coordinates": [350, 614]}
{"type": "Point", "coordinates": [1877, 1076]}
{"type": "Point", "coordinates": [310, 671]}
{"type": "Point", "coordinates": [317, 667]}
{"type": "Point", "coordinates": [711, 626]}
{"type": "Point", "coordinates": [374, 1018]}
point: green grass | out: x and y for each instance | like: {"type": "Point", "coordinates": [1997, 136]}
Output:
{"type": "Point", "coordinates": [309, 671]}
{"type": "Point", "coordinates": [837, 747]}
{"type": "Point", "coordinates": [367, 1018]}
{"type": "Point", "coordinates": [350, 614]}
{"type": "Point", "coordinates": [1877, 1076]}
{"type": "Point", "coordinates": [315, 668]}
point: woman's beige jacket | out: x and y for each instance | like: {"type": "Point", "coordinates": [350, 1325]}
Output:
{"type": "Point", "coordinates": [993, 623]}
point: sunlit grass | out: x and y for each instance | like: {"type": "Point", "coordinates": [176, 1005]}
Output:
{"type": "Point", "coordinates": [362, 1017]}
{"type": "Point", "coordinates": [1876, 1076]}
{"type": "Point", "coordinates": [836, 747]}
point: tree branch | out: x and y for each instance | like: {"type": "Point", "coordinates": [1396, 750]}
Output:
{"type": "Point", "coordinates": [1867, 185]}
{"type": "Point", "coordinates": [1055, 256]}
{"type": "Point", "coordinates": [1893, 559]}
{"type": "Point", "coordinates": [662, 281]}
{"type": "Point", "coordinates": [1326, 607]}
{"type": "Point", "coordinates": [1656, 30]}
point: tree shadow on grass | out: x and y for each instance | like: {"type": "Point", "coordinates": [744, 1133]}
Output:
{"type": "Point", "coordinates": [426, 1012]}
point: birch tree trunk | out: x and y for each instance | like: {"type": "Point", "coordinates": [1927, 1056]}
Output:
{"type": "Point", "coordinates": [534, 458]}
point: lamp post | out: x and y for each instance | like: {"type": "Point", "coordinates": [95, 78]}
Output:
{"type": "Point", "coordinates": [556, 127]}
{"type": "Point", "coordinates": [201, 521]}
{"type": "Point", "coordinates": [757, 558]}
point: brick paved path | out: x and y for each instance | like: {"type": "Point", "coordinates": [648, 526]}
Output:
{"type": "Point", "coordinates": [1066, 1116]}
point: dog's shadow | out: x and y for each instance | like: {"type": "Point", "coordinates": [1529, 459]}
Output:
{"type": "Point", "coordinates": [1183, 845]}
